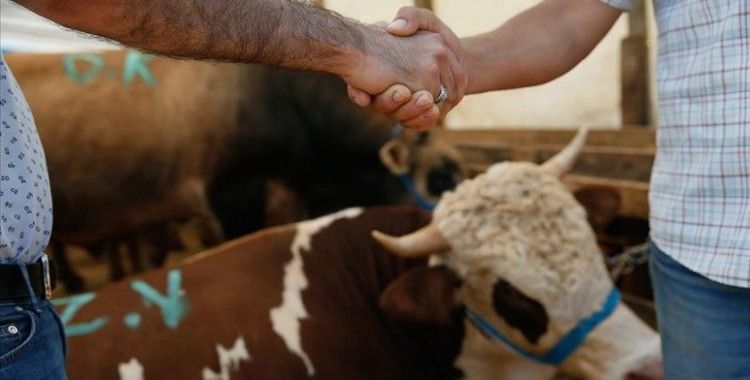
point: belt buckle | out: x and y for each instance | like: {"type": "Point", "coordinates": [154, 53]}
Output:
{"type": "Point", "coordinates": [47, 278]}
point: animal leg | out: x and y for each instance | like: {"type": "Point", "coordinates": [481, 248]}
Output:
{"type": "Point", "coordinates": [65, 272]}
{"type": "Point", "coordinates": [112, 252]}
{"type": "Point", "coordinates": [134, 254]}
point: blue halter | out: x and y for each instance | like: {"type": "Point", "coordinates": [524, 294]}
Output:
{"type": "Point", "coordinates": [407, 182]}
{"type": "Point", "coordinates": [566, 345]}
{"type": "Point", "coordinates": [411, 187]}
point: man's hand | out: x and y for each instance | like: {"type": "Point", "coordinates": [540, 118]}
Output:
{"type": "Point", "coordinates": [415, 111]}
{"type": "Point", "coordinates": [422, 62]}
{"type": "Point", "coordinates": [285, 33]}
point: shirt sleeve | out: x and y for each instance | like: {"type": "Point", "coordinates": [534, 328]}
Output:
{"type": "Point", "coordinates": [623, 5]}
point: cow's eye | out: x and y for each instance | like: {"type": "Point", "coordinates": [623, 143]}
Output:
{"type": "Point", "coordinates": [520, 311]}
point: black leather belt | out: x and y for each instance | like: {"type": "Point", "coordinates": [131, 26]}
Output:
{"type": "Point", "coordinates": [13, 286]}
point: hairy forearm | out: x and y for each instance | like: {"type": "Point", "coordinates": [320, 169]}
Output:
{"type": "Point", "coordinates": [538, 45]}
{"type": "Point", "coordinates": [275, 32]}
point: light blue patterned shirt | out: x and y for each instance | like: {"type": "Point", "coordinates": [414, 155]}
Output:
{"type": "Point", "coordinates": [25, 202]}
{"type": "Point", "coordinates": [700, 185]}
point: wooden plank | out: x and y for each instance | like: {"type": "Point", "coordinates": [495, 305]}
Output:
{"type": "Point", "coordinates": [637, 21]}
{"type": "Point", "coordinates": [427, 4]}
{"type": "Point", "coordinates": [626, 163]}
{"type": "Point", "coordinates": [633, 194]}
{"type": "Point", "coordinates": [629, 136]}
{"type": "Point", "coordinates": [634, 76]}
{"type": "Point", "coordinates": [647, 150]}
{"type": "Point", "coordinates": [620, 159]}
{"type": "Point", "coordinates": [635, 69]}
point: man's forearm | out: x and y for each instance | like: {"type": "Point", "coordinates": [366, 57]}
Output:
{"type": "Point", "coordinates": [276, 32]}
{"type": "Point", "coordinates": [538, 45]}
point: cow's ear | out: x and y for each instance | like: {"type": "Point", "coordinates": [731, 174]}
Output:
{"type": "Point", "coordinates": [395, 156]}
{"type": "Point", "coordinates": [601, 203]}
{"type": "Point", "coordinates": [424, 295]}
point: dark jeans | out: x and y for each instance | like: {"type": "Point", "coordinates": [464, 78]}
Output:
{"type": "Point", "coordinates": [704, 325]}
{"type": "Point", "coordinates": [32, 341]}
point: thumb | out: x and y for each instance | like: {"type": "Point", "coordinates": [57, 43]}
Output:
{"type": "Point", "coordinates": [402, 27]}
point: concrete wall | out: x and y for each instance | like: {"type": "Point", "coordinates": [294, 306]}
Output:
{"type": "Point", "coordinates": [24, 31]}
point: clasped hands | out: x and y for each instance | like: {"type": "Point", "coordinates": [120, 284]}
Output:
{"type": "Point", "coordinates": [405, 64]}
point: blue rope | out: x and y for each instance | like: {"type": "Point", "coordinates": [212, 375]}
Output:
{"type": "Point", "coordinates": [423, 203]}
{"type": "Point", "coordinates": [566, 345]}
{"type": "Point", "coordinates": [408, 183]}
{"type": "Point", "coordinates": [396, 130]}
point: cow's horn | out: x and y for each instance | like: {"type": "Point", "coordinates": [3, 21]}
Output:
{"type": "Point", "coordinates": [419, 243]}
{"type": "Point", "coordinates": [562, 162]}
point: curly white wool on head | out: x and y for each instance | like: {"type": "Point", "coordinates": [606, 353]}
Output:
{"type": "Point", "coordinates": [520, 224]}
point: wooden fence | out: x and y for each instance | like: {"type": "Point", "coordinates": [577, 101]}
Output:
{"type": "Point", "coordinates": [620, 159]}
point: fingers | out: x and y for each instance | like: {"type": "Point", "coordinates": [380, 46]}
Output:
{"type": "Point", "coordinates": [393, 98]}
{"type": "Point", "coordinates": [425, 120]}
{"type": "Point", "coordinates": [436, 58]}
{"type": "Point", "coordinates": [414, 112]}
{"type": "Point", "coordinates": [453, 77]}
{"type": "Point", "coordinates": [411, 19]}
{"type": "Point", "coordinates": [421, 102]}
{"type": "Point", "coordinates": [402, 28]}
{"type": "Point", "coordinates": [358, 96]}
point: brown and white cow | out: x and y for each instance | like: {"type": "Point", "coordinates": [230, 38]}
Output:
{"type": "Point", "coordinates": [134, 142]}
{"type": "Point", "coordinates": [530, 267]}
{"type": "Point", "coordinates": [320, 299]}
{"type": "Point", "coordinates": [292, 302]}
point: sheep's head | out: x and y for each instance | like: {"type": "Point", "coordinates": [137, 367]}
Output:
{"type": "Point", "coordinates": [514, 246]}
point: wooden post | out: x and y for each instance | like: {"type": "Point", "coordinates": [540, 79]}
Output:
{"type": "Point", "coordinates": [636, 97]}
{"type": "Point", "coordinates": [427, 4]}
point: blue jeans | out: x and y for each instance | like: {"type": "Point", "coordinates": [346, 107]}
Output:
{"type": "Point", "coordinates": [32, 341]}
{"type": "Point", "coordinates": [704, 325]}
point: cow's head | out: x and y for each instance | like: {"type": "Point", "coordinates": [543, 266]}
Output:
{"type": "Point", "coordinates": [513, 246]}
{"type": "Point", "coordinates": [433, 165]}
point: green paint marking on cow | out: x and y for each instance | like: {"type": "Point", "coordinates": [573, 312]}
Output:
{"type": "Point", "coordinates": [85, 328]}
{"type": "Point", "coordinates": [73, 304]}
{"type": "Point", "coordinates": [70, 67]}
{"type": "Point", "coordinates": [132, 320]}
{"type": "Point", "coordinates": [173, 305]}
{"type": "Point", "coordinates": [136, 63]}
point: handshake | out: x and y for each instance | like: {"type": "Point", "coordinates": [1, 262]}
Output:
{"type": "Point", "coordinates": [412, 69]}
